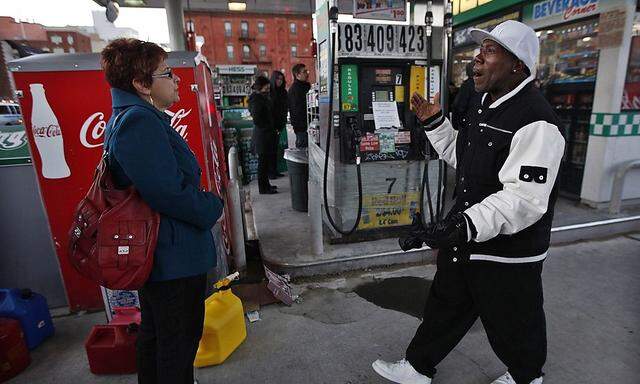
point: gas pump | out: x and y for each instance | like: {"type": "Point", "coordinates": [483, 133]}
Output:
{"type": "Point", "coordinates": [372, 147]}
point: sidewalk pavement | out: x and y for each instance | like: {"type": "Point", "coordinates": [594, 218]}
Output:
{"type": "Point", "coordinates": [592, 301]}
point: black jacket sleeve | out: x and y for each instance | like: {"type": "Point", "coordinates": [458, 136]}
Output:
{"type": "Point", "coordinates": [297, 101]}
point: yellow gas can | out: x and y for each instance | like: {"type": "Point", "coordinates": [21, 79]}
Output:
{"type": "Point", "coordinates": [224, 327]}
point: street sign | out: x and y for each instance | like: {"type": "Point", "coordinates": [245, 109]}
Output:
{"type": "Point", "coordinates": [395, 10]}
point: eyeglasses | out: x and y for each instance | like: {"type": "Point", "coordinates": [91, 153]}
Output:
{"type": "Point", "coordinates": [168, 74]}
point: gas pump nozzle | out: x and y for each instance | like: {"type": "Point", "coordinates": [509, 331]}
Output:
{"type": "Point", "coordinates": [352, 122]}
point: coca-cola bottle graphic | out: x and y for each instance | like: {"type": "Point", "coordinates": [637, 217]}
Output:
{"type": "Point", "coordinates": [47, 136]}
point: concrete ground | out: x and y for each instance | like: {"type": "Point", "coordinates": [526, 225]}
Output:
{"type": "Point", "coordinates": [592, 300]}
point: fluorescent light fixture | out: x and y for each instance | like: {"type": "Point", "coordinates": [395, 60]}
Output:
{"type": "Point", "coordinates": [237, 6]}
{"type": "Point", "coordinates": [586, 39]}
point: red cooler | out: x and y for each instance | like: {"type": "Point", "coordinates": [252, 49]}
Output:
{"type": "Point", "coordinates": [66, 104]}
{"type": "Point", "coordinates": [14, 355]}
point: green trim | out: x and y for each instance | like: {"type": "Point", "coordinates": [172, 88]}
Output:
{"type": "Point", "coordinates": [14, 148]}
{"type": "Point", "coordinates": [615, 124]}
{"type": "Point", "coordinates": [483, 10]}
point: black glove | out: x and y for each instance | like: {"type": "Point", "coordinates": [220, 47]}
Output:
{"type": "Point", "coordinates": [448, 233]}
{"type": "Point", "coordinates": [413, 238]}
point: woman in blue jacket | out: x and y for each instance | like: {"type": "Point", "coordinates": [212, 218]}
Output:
{"type": "Point", "coordinates": [144, 150]}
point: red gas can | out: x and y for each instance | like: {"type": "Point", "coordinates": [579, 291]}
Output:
{"type": "Point", "coordinates": [111, 349]}
{"type": "Point", "coordinates": [126, 315]}
{"type": "Point", "coordinates": [14, 354]}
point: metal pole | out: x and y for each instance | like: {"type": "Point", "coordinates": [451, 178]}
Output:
{"type": "Point", "coordinates": [239, 255]}
{"type": "Point", "coordinates": [315, 216]}
{"type": "Point", "coordinates": [446, 60]}
{"type": "Point", "coordinates": [428, 21]}
{"type": "Point", "coordinates": [447, 34]}
{"type": "Point", "coordinates": [175, 21]}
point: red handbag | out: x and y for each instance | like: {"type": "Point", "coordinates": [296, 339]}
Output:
{"type": "Point", "coordinates": [114, 233]}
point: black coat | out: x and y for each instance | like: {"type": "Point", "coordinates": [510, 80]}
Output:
{"type": "Point", "coordinates": [297, 100]}
{"type": "Point", "coordinates": [280, 107]}
{"type": "Point", "coordinates": [264, 132]}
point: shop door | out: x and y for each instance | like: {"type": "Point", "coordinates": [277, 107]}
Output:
{"type": "Point", "coordinates": [573, 106]}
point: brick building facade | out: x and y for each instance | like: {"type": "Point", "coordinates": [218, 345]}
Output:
{"type": "Point", "coordinates": [269, 41]}
{"type": "Point", "coordinates": [32, 35]}
{"type": "Point", "coordinates": [66, 40]}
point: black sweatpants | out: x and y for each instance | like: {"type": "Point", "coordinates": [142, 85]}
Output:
{"type": "Point", "coordinates": [172, 321]}
{"type": "Point", "coordinates": [509, 301]}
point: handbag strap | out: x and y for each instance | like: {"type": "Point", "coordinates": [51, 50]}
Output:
{"type": "Point", "coordinates": [112, 132]}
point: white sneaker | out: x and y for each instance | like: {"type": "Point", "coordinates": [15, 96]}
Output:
{"type": "Point", "coordinates": [400, 372]}
{"type": "Point", "coordinates": [507, 379]}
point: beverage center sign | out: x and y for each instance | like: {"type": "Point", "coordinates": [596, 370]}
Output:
{"type": "Point", "coordinates": [567, 9]}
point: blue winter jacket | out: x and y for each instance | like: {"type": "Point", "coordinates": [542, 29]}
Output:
{"type": "Point", "coordinates": [147, 152]}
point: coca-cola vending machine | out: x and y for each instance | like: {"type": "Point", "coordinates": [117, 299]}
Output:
{"type": "Point", "coordinates": [66, 104]}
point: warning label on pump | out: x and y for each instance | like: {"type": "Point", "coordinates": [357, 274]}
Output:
{"type": "Point", "coordinates": [388, 210]}
{"type": "Point", "coordinates": [370, 143]}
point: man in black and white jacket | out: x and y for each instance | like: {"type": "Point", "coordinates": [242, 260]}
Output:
{"type": "Point", "coordinates": [493, 242]}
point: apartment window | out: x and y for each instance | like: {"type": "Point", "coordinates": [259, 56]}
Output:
{"type": "Point", "coordinates": [293, 28]}
{"type": "Point", "coordinates": [294, 51]}
{"type": "Point", "coordinates": [261, 27]}
{"type": "Point", "coordinates": [244, 29]}
{"type": "Point", "coordinates": [55, 39]}
{"type": "Point", "coordinates": [263, 50]}
{"type": "Point", "coordinates": [246, 51]}
{"type": "Point", "coordinates": [230, 52]}
{"type": "Point", "coordinates": [72, 50]}
{"type": "Point", "coordinates": [227, 28]}
{"type": "Point", "coordinates": [70, 39]}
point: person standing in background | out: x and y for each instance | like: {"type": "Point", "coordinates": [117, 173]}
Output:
{"type": "Point", "coordinates": [297, 101]}
{"type": "Point", "coordinates": [279, 113]}
{"type": "Point", "coordinates": [264, 133]}
{"type": "Point", "coordinates": [465, 98]}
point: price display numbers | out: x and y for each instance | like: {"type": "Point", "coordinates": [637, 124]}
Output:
{"type": "Point", "coordinates": [375, 40]}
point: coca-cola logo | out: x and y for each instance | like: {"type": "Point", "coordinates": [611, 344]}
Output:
{"type": "Point", "coordinates": [92, 130]}
{"type": "Point", "coordinates": [51, 130]}
{"type": "Point", "coordinates": [176, 119]}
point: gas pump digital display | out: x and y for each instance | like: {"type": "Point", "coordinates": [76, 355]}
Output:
{"type": "Point", "coordinates": [382, 96]}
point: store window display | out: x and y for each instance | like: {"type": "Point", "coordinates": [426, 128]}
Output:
{"type": "Point", "coordinates": [569, 53]}
{"type": "Point", "coordinates": [567, 72]}
{"type": "Point", "coordinates": [631, 95]}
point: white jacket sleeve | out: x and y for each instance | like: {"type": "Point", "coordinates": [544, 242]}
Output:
{"type": "Point", "coordinates": [528, 176]}
{"type": "Point", "coordinates": [443, 138]}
